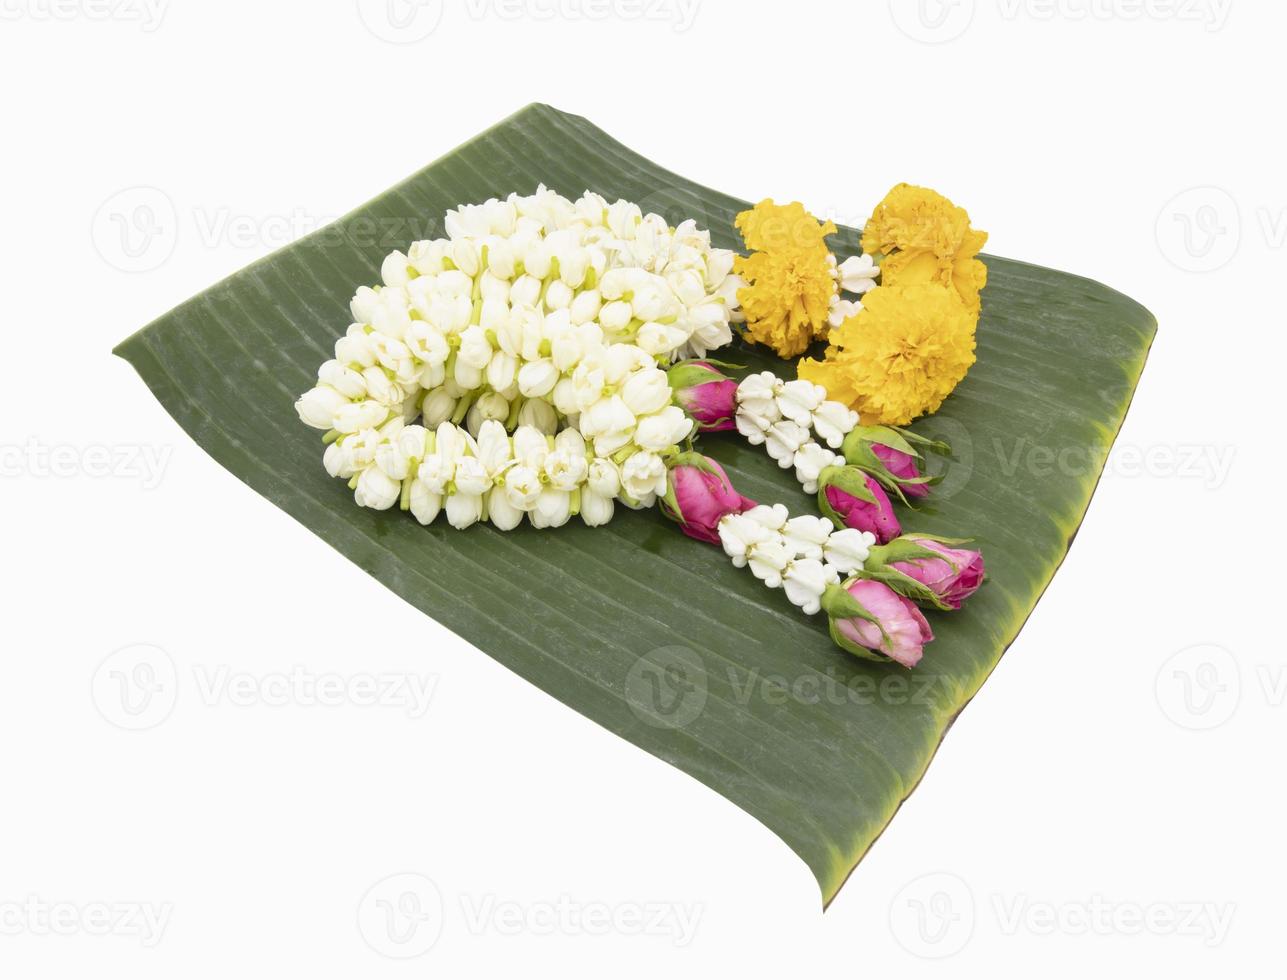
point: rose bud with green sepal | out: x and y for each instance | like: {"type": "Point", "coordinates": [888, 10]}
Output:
{"type": "Point", "coordinates": [705, 393]}
{"type": "Point", "coordinates": [871, 620]}
{"type": "Point", "coordinates": [927, 569]}
{"type": "Point", "coordinates": [852, 498]}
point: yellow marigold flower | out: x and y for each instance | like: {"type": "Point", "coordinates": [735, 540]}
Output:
{"type": "Point", "coordinates": [925, 238]}
{"type": "Point", "coordinates": [787, 296]}
{"type": "Point", "coordinates": [768, 227]}
{"type": "Point", "coordinates": [901, 356]}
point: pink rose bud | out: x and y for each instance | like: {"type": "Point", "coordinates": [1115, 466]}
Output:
{"type": "Point", "coordinates": [705, 393]}
{"type": "Point", "coordinates": [699, 494]}
{"type": "Point", "coordinates": [872, 620]}
{"type": "Point", "coordinates": [888, 455]}
{"type": "Point", "coordinates": [852, 498]}
{"type": "Point", "coordinates": [927, 570]}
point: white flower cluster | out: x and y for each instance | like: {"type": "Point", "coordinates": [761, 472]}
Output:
{"type": "Point", "coordinates": [536, 312]}
{"type": "Point", "coordinates": [546, 479]}
{"type": "Point", "coordinates": [856, 274]}
{"type": "Point", "coordinates": [785, 416]}
{"type": "Point", "coordinates": [800, 555]}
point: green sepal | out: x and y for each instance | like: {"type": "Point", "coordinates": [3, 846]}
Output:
{"type": "Point", "coordinates": [687, 374]}
{"type": "Point", "coordinates": [849, 479]}
{"type": "Point", "coordinates": [838, 604]}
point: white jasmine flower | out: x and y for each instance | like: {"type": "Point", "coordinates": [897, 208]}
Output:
{"type": "Point", "coordinates": [783, 440]}
{"type": "Point", "coordinates": [353, 416]}
{"type": "Point", "coordinates": [772, 517]}
{"type": "Point", "coordinates": [396, 270]}
{"type": "Point", "coordinates": [667, 428]}
{"type": "Point", "coordinates": [832, 421]}
{"type": "Point", "coordinates": [502, 371]}
{"type": "Point", "coordinates": [397, 455]}
{"type": "Point", "coordinates": [490, 406]}
{"type": "Point", "coordinates": [319, 407]}
{"type": "Point", "coordinates": [768, 560]}
{"type": "Point", "coordinates": [537, 378]}
{"type": "Point", "coordinates": [526, 291]}
{"type": "Point", "coordinates": [798, 399]}
{"type": "Point", "coordinates": [841, 310]}
{"type": "Point", "coordinates": [539, 415]}
{"type": "Point", "coordinates": [610, 419]}
{"type": "Point", "coordinates": [522, 487]}
{"type": "Point", "coordinates": [738, 534]}
{"type": "Point", "coordinates": [530, 447]}
{"type": "Point", "coordinates": [464, 509]}
{"type": "Point", "coordinates": [857, 274]}
{"type": "Point", "coordinates": [596, 509]}
{"type": "Point", "coordinates": [804, 582]}
{"type": "Point", "coordinates": [585, 306]}
{"type": "Point", "coordinates": [810, 460]}
{"type": "Point", "coordinates": [553, 509]}
{"type": "Point", "coordinates": [754, 428]}
{"type": "Point", "coordinates": [471, 477]}
{"type": "Point", "coordinates": [646, 391]}
{"type": "Point", "coordinates": [425, 505]}
{"type": "Point", "coordinates": [762, 387]}
{"type": "Point", "coordinates": [566, 469]}
{"type": "Point", "coordinates": [642, 474]}
{"type": "Point", "coordinates": [354, 349]}
{"type": "Point", "coordinates": [846, 550]}
{"type": "Point", "coordinates": [376, 489]}
{"type": "Point", "coordinates": [381, 388]}
{"type": "Point", "coordinates": [342, 378]}
{"type": "Point", "coordinates": [438, 406]}
{"type": "Point", "coordinates": [364, 304]}
{"type": "Point", "coordinates": [475, 349]}
{"type": "Point", "coordinates": [427, 343]}
{"type": "Point", "coordinates": [334, 460]}
{"type": "Point", "coordinates": [603, 477]}
{"type": "Point", "coordinates": [660, 339]}
{"type": "Point", "coordinates": [501, 514]}
{"type": "Point", "coordinates": [806, 535]}
{"type": "Point", "coordinates": [394, 356]}
{"type": "Point", "coordinates": [615, 317]}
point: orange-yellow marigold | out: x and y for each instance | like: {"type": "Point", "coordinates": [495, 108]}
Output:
{"type": "Point", "coordinates": [901, 356]}
{"type": "Point", "coordinates": [768, 227]}
{"type": "Point", "coordinates": [925, 238]}
{"type": "Point", "coordinates": [787, 296]}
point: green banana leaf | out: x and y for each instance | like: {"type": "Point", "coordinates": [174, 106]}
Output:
{"type": "Point", "coordinates": [656, 637]}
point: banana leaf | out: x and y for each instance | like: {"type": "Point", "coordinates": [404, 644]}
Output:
{"type": "Point", "coordinates": [656, 637]}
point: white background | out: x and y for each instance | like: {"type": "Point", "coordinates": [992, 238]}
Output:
{"type": "Point", "coordinates": [1113, 798]}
